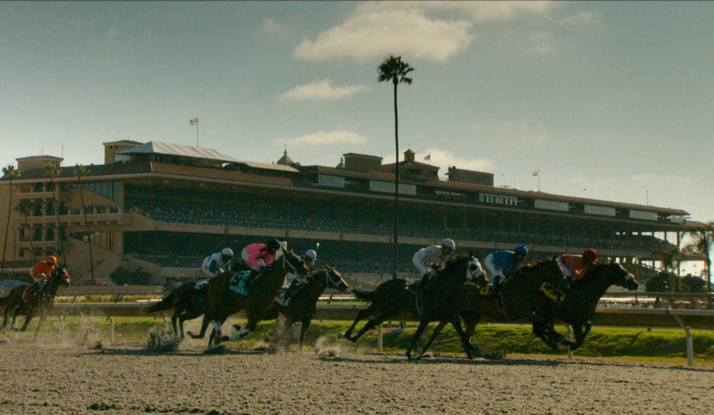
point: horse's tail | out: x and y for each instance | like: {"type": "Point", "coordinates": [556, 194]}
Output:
{"type": "Point", "coordinates": [364, 295]}
{"type": "Point", "coordinates": [167, 303]}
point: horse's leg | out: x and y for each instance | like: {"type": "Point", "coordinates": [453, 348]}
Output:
{"type": "Point", "coordinates": [471, 319]}
{"type": "Point", "coordinates": [579, 337]}
{"type": "Point", "coordinates": [422, 326]}
{"type": "Point", "coordinates": [434, 334]}
{"type": "Point", "coordinates": [588, 326]}
{"type": "Point", "coordinates": [367, 327]}
{"type": "Point", "coordinates": [456, 322]}
{"type": "Point", "coordinates": [39, 323]}
{"type": "Point", "coordinates": [363, 314]}
{"type": "Point", "coordinates": [14, 317]}
{"type": "Point", "coordinates": [187, 316]}
{"type": "Point", "coordinates": [204, 326]}
{"type": "Point", "coordinates": [28, 318]}
{"type": "Point", "coordinates": [4, 324]}
{"type": "Point", "coordinates": [303, 330]}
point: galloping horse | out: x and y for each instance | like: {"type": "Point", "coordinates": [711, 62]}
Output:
{"type": "Point", "coordinates": [39, 303]}
{"type": "Point", "coordinates": [188, 303]}
{"type": "Point", "coordinates": [225, 302]}
{"type": "Point", "coordinates": [582, 298]}
{"type": "Point", "coordinates": [391, 299]}
{"type": "Point", "coordinates": [518, 300]}
{"type": "Point", "coordinates": [303, 304]}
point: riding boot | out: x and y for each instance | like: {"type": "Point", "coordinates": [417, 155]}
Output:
{"type": "Point", "coordinates": [496, 286]}
{"type": "Point", "coordinates": [422, 283]}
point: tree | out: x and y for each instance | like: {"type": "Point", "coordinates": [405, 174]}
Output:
{"type": "Point", "coordinates": [9, 172]}
{"type": "Point", "coordinates": [669, 258]}
{"type": "Point", "coordinates": [81, 171]}
{"type": "Point", "coordinates": [701, 245]}
{"type": "Point", "coordinates": [52, 170]}
{"type": "Point", "coordinates": [395, 70]}
{"type": "Point", "coordinates": [24, 207]}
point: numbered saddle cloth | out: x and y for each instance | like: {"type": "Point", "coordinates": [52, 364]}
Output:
{"type": "Point", "coordinates": [553, 291]}
{"type": "Point", "coordinates": [238, 282]}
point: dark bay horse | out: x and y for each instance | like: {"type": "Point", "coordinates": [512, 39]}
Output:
{"type": "Point", "coordinates": [225, 302]}
{"type": "Point", "coordinates": [303, 304]}
{"type": "Point", "coordinates": [40, 302]}
{"type": "Point", "coordinates": [391, 300]}
{"type": "Point", "coordinates": [582, 298]}
{"type": "Point", "coordinates": [186, 301]}
{"type": "Point", "coordinates": [519, 299]}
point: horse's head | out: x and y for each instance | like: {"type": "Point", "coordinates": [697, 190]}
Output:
{"type": "Point", "coordinates": [334, 279]}
{"type": "Point", "coordinates": [474, 270]}
{"type": "Point", "coordinates": [291, 262]}
{"type": "Point", "coordinates": [618, 275]}
{"type": "Point", "coordinates": [62, 276]}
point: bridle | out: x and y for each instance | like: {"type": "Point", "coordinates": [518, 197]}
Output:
{"type": "Point", "coordinates": [474, 269]}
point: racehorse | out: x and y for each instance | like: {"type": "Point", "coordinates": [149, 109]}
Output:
{"type": "Point", "coordinates": [188, 303]}
{"type": "Point", "coordinates": [582, 298]}
{"type": "Point", "coordinates": [39, 303]}
{"type": "Point", "coordinates": [225, 302]}
{"type": "Point", "coordinates": [303, 304]}
{"type": "Point", "coordinates": [391, 299]}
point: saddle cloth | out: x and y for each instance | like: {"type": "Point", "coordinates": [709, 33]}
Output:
{"type": "Point", "coordinates": [553, 292]}
{"type": "Point", "coordinates": [238, 282]}
{"type": "Point", "coordinates": [25, 296]}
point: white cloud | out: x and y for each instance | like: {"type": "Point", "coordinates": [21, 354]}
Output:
{"type": "Point", "coordinates": [273, 27]}
{"type": "Point", "coordinates": [484, 11]}
{"type": "Point", "coordinates": [375, 30]}
{"type": "Point", "coordinates": [577, 19]}
{"type": "Point", "coordinates": [322, 138]}
{"type": "Point", "coordinates": [543, 43]}
{"type": "Point", "coordinates": [322, 91]}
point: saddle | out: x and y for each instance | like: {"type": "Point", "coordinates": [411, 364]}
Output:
{"type": "Point", "coordinates": [239, 281]}
{"type": "Point", "coordinates": [26, 295]}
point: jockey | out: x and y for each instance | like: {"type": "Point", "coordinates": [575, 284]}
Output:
{"type": "Point", "coordinates": [575, 266]}
{"type": "Point", "coordinates": [258, 256]}
{"type": "Point", "coordinates": [217, 263]}
{"type": "Point", "coordinates": [43, 269]}
{"type": "Point", "coordinates": [504, 263]}
{"type": "Point", "coordinates": [427, 260]}
{"type": "Point", "coordinates": [295, 281]}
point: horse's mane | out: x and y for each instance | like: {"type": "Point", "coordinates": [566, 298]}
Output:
{"type": "Point", "coordinates": [594, 269]}
{"type": "Point", "coordinates": [531, 266]}
{"type": "Point", "coordinates": [455, 261]}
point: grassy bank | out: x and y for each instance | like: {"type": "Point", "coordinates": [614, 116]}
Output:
{"type": "Point", "coordinates": [634, 343]}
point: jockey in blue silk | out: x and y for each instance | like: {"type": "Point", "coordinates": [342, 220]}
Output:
{"type": "Point", "coordinates": [504, 263]}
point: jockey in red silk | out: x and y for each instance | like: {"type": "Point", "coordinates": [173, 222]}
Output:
{"type": "Point", "coordinates": [574, 266]}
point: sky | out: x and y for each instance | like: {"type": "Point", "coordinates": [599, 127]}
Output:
{"type": "Point", "coordinates": [606, 100]}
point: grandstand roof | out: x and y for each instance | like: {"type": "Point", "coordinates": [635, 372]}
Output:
{"type": "Point", "coordinates": [168, 149]}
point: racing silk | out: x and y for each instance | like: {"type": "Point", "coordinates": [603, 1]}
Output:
{"type": "Point", "coordinates": [41, 270]}
{"type": "Point", "coordinates": [500, 263]}
{"type": "Point", "coordinates": [257, 256]}
{"type": "Point", "coordinates": [213, 265]}
{"type": "Point", "coordinates": [425, 257]}
{"type": "Point", "coordinates": [573, 266]}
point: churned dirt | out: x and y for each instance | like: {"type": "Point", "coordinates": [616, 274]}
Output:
{"type": "Point", "coordinates": [68, 378]}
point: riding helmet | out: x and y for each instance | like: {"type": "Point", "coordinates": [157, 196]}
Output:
{"type": "Point", "coordinates": [52, 260]}
{"type": "Point", "coordinates": [449, 244]}
{"type": "Point", "coordinates": [590, 254]}
{"type": "Point", "coordinates": [521, 250]}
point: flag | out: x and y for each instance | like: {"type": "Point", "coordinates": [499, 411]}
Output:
{"type": "Point", "coordinates": [427, 158]}
{"type": "Point", "coordinates": [535, 173]}
{"type": "Point", "coordinates": [193, 121]}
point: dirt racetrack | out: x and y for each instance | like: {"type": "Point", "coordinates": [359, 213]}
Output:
{"type": "Point", "coordinates": [67, 378]}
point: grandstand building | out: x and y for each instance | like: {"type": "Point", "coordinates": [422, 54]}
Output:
{"type": "Point", "coordinates": [163, 207]}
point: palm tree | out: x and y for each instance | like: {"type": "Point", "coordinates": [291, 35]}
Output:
{"type": "Point", "coordinates": [395, 70]}
{"type": "Point", "coordinates": [81, 171]}
{"type": "Point", "coordinates": [669, 258]}
{"type": "Point", "coordinates": [701, 245]}
{"type": "Point", "coordinates": [52, 170]}
{"type": "Point", "coordinates": [9, 172]}
{"type": "Point", "coordinates": [24, 207]}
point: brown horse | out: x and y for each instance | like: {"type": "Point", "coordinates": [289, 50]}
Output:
{"type": "Point", "coordinates": [262, 291]}
{"type": "Point", "coordinates": [40, 302]}
{"type": "Point", "coordinates": [392, 300]}
{"type": "Point", "coordinates": [302, 306]}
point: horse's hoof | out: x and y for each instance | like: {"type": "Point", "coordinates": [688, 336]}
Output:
{"type": "Point", "coordinates": [225, 338]}
{"type": "Point", "coordinates": [342, 336]}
